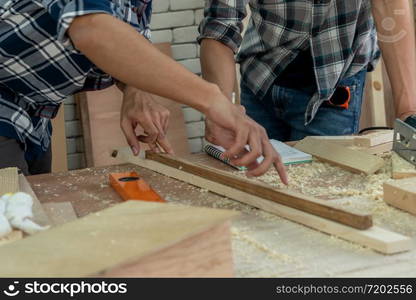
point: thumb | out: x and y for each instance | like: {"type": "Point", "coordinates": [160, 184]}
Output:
{"type": "Point", "coordinates": [131, 137]}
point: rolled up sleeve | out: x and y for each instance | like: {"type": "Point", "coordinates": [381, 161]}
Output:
{"type": "Point", "coordinates": [65, 11]}
{"type": "Point", "coordinates": [223, 22]}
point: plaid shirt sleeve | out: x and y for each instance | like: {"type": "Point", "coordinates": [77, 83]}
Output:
{"type": "Point", "coordinates": [65, 11]}
{"type": "Point", "coordinates": [223, 22]}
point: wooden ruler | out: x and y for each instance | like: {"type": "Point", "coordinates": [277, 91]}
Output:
{"type": "Point", "coordinates": [288, 198]}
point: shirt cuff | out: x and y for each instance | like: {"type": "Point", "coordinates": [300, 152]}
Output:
{"type": "Point", "coordinates": [66, 14]}
{"type": "Point", "coordinates": [227, 34]}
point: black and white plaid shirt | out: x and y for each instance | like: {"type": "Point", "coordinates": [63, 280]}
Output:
{"type": "Point", "coordinates": [39, 67]}
{"type": "Point", "coordinates": [340, 33]}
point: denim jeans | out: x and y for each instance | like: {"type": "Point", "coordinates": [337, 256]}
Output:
{"type": "Point", "coordinates": [282, 111]}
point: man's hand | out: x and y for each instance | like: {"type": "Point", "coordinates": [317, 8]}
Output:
{"type": "Point", "coordinates": [139, 108]}
{"type": "Point", "coordinates": [229, 127]}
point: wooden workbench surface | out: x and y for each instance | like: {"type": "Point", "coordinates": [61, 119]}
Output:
{"type": "Point", "coordinates": [264, 245]}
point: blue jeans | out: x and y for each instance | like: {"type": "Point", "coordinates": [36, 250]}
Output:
{"type": "Point", "coordinates": [282, 111]}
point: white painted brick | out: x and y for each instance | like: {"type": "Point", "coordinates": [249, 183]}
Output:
{"type": "Point", "coordinates": [80, 145]}
{"type": "Point", "coordinates": [173, 19]}
{"type": "Point", "coordinates": [162, 36]}
{"type": "Point", "coordinates": [195, 145]}
{"type": "Point", "coordinates": [185, 34]}
{"type": "Point", "coordinates": [199, 16]}
{"type": "Point", "coordinates": [70, 112]}
{"type": "Point", "coordinates": [160, 6]}
{"type": "Point", "coordinates": [195, 129]}
{"type": "Point", "coordinates": [71, 145]}
{"type": "Point", "coordinates": [186, 4]}
{"type": "Point", "coordinates": [70, 100]}
{"type": "Point", "coordinates": [191, 115]}
{"type": "Point", "coordinates": [73, 128]}
{"type": "Point", "coordinates": [76, 161]}
{"type": "Point", "coordinates": [192, 65]}
{"type": "Point", "coordinates": [184, 51]}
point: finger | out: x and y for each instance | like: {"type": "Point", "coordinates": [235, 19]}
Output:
{"type": "Point", "coordinates": [165, 145]}
{"type": "Point", "coordinates": [150, 129]}
{"type": "Point", "coordinates": [239, 144]}
{"type": "Point", "coordinates": [250, 157]}
{"type": "Point", "coordinates": [281, 170]}
{"type": "Point", "coordinates": [269, 156]}
{"type": "Point", "coordinates": [128, 130]}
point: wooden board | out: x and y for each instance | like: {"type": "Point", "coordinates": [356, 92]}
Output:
{"type": "Point", "coordinates": [354, 161]}
{"type": "Point", "coordinates": [100, 115]}
{"type": "Point", "coordinates": [401, 194]}
{"type": "Point", "coordinates": [374, 138]}
{"type": "Point", "coordinates": [60, 212]}
{"type": "Point", "coordinates": [286, 197]}
{"type": "Point", "coordinates": [59, 155]}
{"type": "Point", "coordinates": [13, 236]}
{"type": "Point", "coordinates": [111, 239]}
{"type": "Point", "coordinates": [9, 182]}
{"type": "Point", "coordinates": [39, 215]}
{"type": "Point", "coordinates": [376, 238]}
{"type": "Point", "coordinates": [401, 168]}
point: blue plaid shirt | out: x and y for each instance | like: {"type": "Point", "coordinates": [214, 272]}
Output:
{"type": "Point", "coordinates": [39, 66]}
{"type": "Point", "coordinates": [340, 33]}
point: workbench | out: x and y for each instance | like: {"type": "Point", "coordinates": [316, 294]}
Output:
{"type": "Point", "coordinates": [264, 245]}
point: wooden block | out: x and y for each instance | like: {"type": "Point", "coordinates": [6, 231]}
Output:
{"type": "Point", "coordinates": [374, 138]}
{"type": "Point", "coordinates": [13, 236]}
{"type": "Point", "coordinates": [354, 161]}
{"type": "Point", "coordinates": [9, 182]}
{"type": "Point", "coordinates": [286, 197]}
{"type": "Point", "coordinates": [376, 238]}
{"type": "Point", "coordinates": [401, 194]}
{"type": "Point", "coordinates": [39, 215]}
{"type": "Point", "coordinates": [60, 212]}
{"type": "Point", "coordinates": [342, 140]}
{"type": "Point", "coordinates": [401, 168]}
{"type": "Point", "coordinates": [379, 149]}
{"type": "Point", "coordinates": [120, 238]}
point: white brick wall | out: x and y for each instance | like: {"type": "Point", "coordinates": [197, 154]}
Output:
{"type": "Point", "coordinates": [173, 21]}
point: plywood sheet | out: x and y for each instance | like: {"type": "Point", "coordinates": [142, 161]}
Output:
{"type": "Point", "coordinates": [101, 241]}
{"type": "Point", "coordinates": [100, 114]}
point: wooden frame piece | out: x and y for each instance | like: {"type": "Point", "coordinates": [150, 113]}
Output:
{"type": "Point", "coordinates": [401, 194]}
{"type": "Point", "coordinates": [401, 168]}
{"type": "Point", "coordinates": [289, 198]}
{"type": "Point", "coordinates": [352, 160]}
{"type": "Point", "coordinates": [376, 238]}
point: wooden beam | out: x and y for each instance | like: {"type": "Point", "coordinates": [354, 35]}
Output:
{"type": "Point", "coordinates": [289, 198]}
{"type": "Point", "coordinates": [401, 168]}
{"type": "Point", "coordinates": [352, 160]}
{"type": "Point", "coordinates": [401, 194]}
{"type": "Point", "coordinates": [376, 238]}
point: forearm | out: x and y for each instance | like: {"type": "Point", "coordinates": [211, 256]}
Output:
{"type": "Point", "coordinates": [119, 50]}
{"type": "Point", "coordinates": [218, 65]}
{"type": "Point", "coordinates": [398, 49]}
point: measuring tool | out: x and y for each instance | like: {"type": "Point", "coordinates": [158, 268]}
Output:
{"type": "Point", "coordinates": [130, 186]}
{"type": "Point", "coordinates": [405, 139]}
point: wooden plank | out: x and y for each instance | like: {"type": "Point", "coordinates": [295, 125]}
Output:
{"type": "Point", "coordinates": [100, 115]}
{"type": "Point", "coordinates": [342, 140]}
{"type": "Point", "coordinates": [13, 236]}
{"type": "Point", "coordinates": [59, 155]}
{"type": "Point", "coordinates": [401, 168]}
{"type": "Point", "coordinates": [9, 182]}
{"type": "Point", "coordinates": [401, 194]}
{"type": "Point", "coordinates": [374, 138]}
{"type": "Point", "coordinates": [39, 215]}
{"type": "Point", "coordinates": [354, 161]}
{"type": "Point", "coordinates": [289, 198]}
{"type": "Point", "coordinates": [375, 237]}
{"type": "Point", "coordinates": [115, 237]}
{"type": "Point", "coordinates": [60, 212]}
{"type": "Point", "coordinates": [379, 149]}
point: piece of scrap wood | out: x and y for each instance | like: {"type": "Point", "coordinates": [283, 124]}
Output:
{"type": "Point", "coordinates": [379, 149]}
{"type": "Point", "coordinates": [401, 194]}
{"type": "Point", "coordinates": [342, 140]}
{"type": "Point", "coordinates": [60, 212]}
{"type": "Point", "coordinates": [401, 168]}
{"type": "Point", "coordinates": [355, 161]}
{"type": "Point", "coordinates": [286, 197]}
{"type": "Point", "coordinates": [13, 236]}
{"type": "Point", "coordinates": [9, 182]}
{"type": "Point", "coordinates": [39, 215]}
{"type": "Point", "coordinates": [376, 238]}
{"type": "Point", "coordinates": [374, 138]}
{"type": "Point", "coordinates": [119, 237]}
